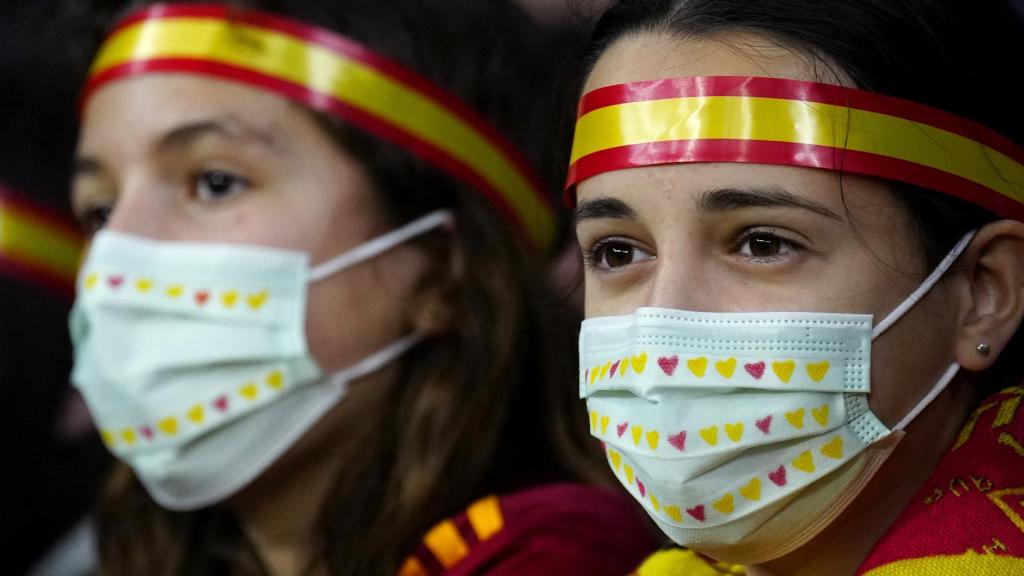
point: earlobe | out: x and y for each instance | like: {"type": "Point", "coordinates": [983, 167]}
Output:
{"type": "Point", "coordinates": [993, 268]}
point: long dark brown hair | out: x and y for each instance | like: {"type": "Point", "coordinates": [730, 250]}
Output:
{"type": "Point", "coordinates": [487, 407]}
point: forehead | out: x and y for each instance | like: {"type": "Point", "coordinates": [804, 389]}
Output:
{"type": "Point", "coordinates": [654, 55]}
{"type": "Point", "coordinates": [141, 107]}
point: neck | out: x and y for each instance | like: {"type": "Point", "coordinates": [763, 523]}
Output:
{"type": "Point", "coordinates": [280, 512]}
{"type": "Point", "coordinates": [282, 525]}
{"type": "Point", "coordinates": [842, 546]}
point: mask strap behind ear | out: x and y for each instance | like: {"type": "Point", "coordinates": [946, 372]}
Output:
{"type": "Point", "coordinates": [925, 286]}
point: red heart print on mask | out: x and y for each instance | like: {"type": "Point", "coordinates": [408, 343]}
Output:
{"type": "Point", "coordinates": [697, 512]}
{"type": "Point", "coordinates": [115, 281]}
{"type": "Point", "coordinates": [678, 440]}
{"type": "Point", "coordinates": [221, 403]}
{"type": "Point", "coordinates": [202, 297]}
{"type": "Point", "coordinates": [778, 477]}
{"type": "Point", "coordinates": [621, 428]}
{"type": "Point", "coordinates": [640, 486]}
{"type": "Point", "coordinates": [668, 364]}
{"type": "Point", "coordinates": [765, 423]}
{"type": "Point", "coordinates": [756, 370]}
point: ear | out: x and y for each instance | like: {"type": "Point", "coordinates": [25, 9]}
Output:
{"type": "Point", "coordinates": [431, 312]}
{"type": "Point", "coordinates": [993, 269]}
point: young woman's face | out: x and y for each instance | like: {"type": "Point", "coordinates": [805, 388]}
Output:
{"type": "Point", "coordinates": [729, 237]}
{"type": "Point", "coordinates": [184, 158]}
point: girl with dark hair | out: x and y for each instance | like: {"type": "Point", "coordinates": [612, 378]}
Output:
{"type": "Point", "coordinates": [312, 320]}
{"type": "Point", "coordinates": [802, 230]}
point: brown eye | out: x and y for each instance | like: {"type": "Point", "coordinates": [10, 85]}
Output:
{"type": "Point", "coordinates": [212, 185]}
{"type": "Point", "coordinates": [618, 255]}
{"type": "Point", "coordinates": [94, 218]}
{"type": "Point", "coordinates": [611, 255]}
{"type": "Point", "coordinates": [765, 245]}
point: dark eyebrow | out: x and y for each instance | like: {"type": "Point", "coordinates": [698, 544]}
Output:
{"type": "Point", "coordinates": [726, 199]}
{"type": "Point", "coordinates": [185, 135]}
{"type": "Point", "coordinates": [227, 127]}
{"type": "Point", "coordinates": [603, 208]}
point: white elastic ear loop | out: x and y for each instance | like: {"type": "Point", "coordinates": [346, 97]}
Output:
{"type": "Point", "coordinates": [375, 361]}
{"type": "Point", "coordinates": [906, 305]}
{"type": "Point", "coordinates": [947, 377]}
{"type": "Point", "coordinates": [925, 286]}
{"type": "Point", "coordinates": [381, 244]}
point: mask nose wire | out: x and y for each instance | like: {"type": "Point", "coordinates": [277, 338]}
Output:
{"type": "Point", "coordinates": [925, 286]}
{"type": "Point", "coordinates": [381, 244]}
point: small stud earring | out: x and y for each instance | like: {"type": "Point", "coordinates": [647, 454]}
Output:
{"type": "Point", "coordinates": [984, 349]}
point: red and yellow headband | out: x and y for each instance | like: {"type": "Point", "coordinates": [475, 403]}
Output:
{"type": "Point", "coordinates": [333, 75]}
{"type": "Point", "coordinates": [37, 244]}
{"type": "Point", "coordinates": [795, 123]}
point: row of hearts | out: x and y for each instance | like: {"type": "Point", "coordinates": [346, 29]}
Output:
{"type": "Point", "coordinates": [726, 504]}
{"type": "Point", "coordinates": [169, 425]}
{"type": "Point", "coordinates": [255, 300]}
{"type": "Point", "coordinates": [709, 434]}
{"type": "Point", "coordinates": [698, 366]}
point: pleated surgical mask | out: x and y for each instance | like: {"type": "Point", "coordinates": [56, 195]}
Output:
{"type": "Point", "coordinates": [193, 360]}
{"type": "Point", "coordinates": [741, 434]}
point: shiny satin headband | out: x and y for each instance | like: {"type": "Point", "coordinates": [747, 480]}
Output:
{"type": "Point", "coordinates": [794, 123]}
{"type": "Point", "coordinates": [336, 76]}
{"type": "Point", "coordinates": [37, 244]}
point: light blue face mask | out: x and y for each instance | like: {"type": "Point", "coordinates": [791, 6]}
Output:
{"type": "Point", "coordinates": [742, 434]}
{"type": "Point", "coordinates": [193, 360]}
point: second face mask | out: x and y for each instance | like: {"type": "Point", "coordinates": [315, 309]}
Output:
{"type": "Point", "coordinates": [193, 359]}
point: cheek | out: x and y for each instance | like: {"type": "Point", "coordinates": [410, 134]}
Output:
{"type": "Point", "coordinates": [348, 317]}
{"type": "Point", "coordinates": [909, 358]}
{"type": "Point", "coordinates": [600, 299]}
{"type": "Point", "coordinates": [357, 312]}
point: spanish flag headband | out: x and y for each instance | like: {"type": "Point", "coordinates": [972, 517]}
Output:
{"type": "Point", "coordinates": [38, 244]}
{"type": "Point", "coordinates": [795, 123]}
{"type": "Point", "coordinates": [336, 76]}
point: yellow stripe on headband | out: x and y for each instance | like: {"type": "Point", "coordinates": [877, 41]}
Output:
{"type": "Point", "coordinates": [336, 76]}
{"type": "Point", "coordinates": [794, 122]}
{"type": "Point", "coordinates": [776, 121]}
{"type": "Point", "coordinates": [37, 244]}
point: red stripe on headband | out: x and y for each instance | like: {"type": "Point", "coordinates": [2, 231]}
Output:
{"type": "Point", "coordinates": [350, 49]}
{"type": "Point", "coordinates": [319, 101]}
{"type": "Point", "coordinates": [785, 89]}
{"type": "Point", "coordinates": [789, 154]}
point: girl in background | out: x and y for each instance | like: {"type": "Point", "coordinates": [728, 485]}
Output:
{"type": "Point", "coordinates": [312, 320]}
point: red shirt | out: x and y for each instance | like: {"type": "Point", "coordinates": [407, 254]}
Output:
{"type": "Point", "coordinates": [556, 529]}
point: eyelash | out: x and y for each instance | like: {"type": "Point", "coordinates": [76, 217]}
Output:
{"type": "Point", "coordinates": [93, 218]}
{"type": "Point", "coordinates": [198, 178]}
{"type": "Point", "coordinates": [593, 254]}
{"type": "Point", "coordinates": [765, 233]}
